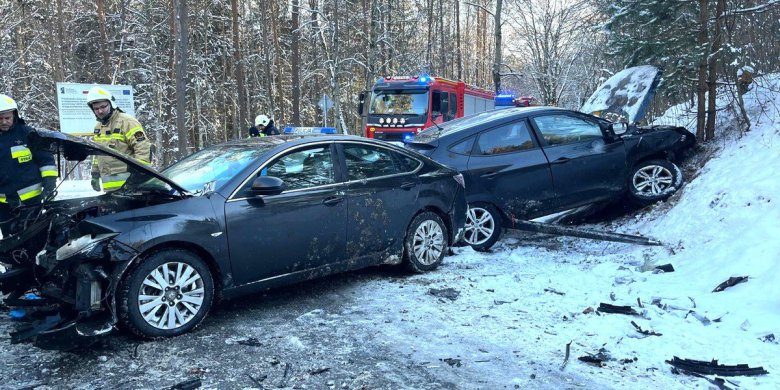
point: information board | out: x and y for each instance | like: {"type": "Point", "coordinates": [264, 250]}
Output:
{"type": "Point", "coordinates": [76, 117]}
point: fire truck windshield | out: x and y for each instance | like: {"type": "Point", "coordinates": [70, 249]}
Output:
{"type": "Point", "coordinates": [399, 102]}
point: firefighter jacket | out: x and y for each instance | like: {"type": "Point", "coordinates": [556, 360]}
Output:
{"type": "Point", "coordinates": [124, 134]}
{"type": "Point", "coordinates": [23, 172]}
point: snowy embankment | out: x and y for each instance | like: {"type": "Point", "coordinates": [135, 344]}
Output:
{"type": "Point", "coordinates": [725, 223]}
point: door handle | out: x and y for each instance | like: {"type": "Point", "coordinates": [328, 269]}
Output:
{"type": "Point", "coordinates": [561, 160]}
{"type": "Point", "coordinates": [489, 175]}
{"type": "Point", "coordinates": [408, 186]}
{"type": "Point", "coordinates": [332, 200]}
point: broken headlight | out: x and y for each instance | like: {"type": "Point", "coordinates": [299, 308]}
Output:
{"type": "Point", "coordinates": [91, 245]}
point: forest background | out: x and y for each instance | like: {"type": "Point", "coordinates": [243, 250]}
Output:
{"type": "Point", "coordinates": [202, 69]}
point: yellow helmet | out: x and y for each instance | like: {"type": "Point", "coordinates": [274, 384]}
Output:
{"type": "Point", "coordinates": [97, 94]}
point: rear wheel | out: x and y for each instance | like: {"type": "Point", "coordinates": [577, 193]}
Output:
{"type": "Point", "coordinates": [426, 242]}
{"type": "Point", "coordinates": [169, 293]}
{"type": "Point", "coordinates": [654, 180]}
{"type": "Point", "coordinates": [483, 226]}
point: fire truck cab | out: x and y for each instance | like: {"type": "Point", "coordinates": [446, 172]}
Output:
{"type": "Point", "coordinates": [398, 107]}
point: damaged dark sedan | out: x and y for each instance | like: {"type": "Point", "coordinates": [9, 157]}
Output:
{"type": "Point", "coordinates": [524, 163]}
{"type": "Point", "coordinates": [229, 220]}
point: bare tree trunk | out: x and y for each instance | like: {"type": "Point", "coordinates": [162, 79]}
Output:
{"type": "Point", "coordinates": [498, 50]}
{"type": "Point", "coordinates": [702, 84]}
{"type": "Point", "coordinates": [267, 68]}
{"type": "Point", "coordinates": [720, 9]}
{"type": "Point", "coordinates": [296, 59]}
{"type": "Point", "coordinates": [458, 40]}
{"type": "Point", "coordinates": [101, 16]}
{"type": "Point", "coordinates": [60, 68]}
{"type": "Point", "coordinates": [279, 71]}
{"type": "Point", "coordinates": [182, 43]}
{"type": "Point", "coordinates": [238, 68]}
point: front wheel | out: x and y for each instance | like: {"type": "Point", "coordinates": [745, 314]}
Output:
{"type": "Point", "coordinates": [426, 242]}
{"type": "Point", "coordinates": [483, 226]}
{"type": "Point", "coordinates": [654, 180]}
{"type": "Point", "coordinates": [169, 293]}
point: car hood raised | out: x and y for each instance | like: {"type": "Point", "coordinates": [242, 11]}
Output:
{"type": "Point", "coordinates": [624, 97]}
{"type": "Point", "coordinates": [78, 149]}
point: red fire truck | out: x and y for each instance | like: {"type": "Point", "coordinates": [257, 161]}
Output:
{"type": "Point", "coordinates": [398, 107]}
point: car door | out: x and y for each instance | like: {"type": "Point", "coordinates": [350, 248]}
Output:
{"type": "Point", "coordinates": [382, 189]}
{"type": "Point", "coordinates": [301, 228]}
{"type": "Point", "coordinates": [585, 167]}
{"type": "Point", "coordinates": [507, 164]}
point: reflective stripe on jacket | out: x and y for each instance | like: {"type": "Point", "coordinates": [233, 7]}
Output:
{"type": "Point", "coordinates": [124, 134]}
{"type": "Point", "coordinates": [22, 169]}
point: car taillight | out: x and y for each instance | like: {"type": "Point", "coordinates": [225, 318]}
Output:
{"type": "Point", "coordinates": [459, 179]}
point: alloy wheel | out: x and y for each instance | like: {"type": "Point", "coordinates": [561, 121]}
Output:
{"type": "Point", "coordinates": [480, 226]}
{"type": "Point", "coordinates": [428, 242]}
{"type": "Point", "coordinates": [652, 180]}
{"type": "Point", "coordinates": [171, 295]}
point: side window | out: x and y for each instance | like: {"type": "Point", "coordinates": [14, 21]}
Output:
{"type": "Point", "coordinates": [563, 129]}
{"type": "Point", "coordinates": [303, 168]}
{"type": "Point", "coordinates": [463, 147]}
{"type": "Point", "coordinates": [410, 164]}
{"type": "Point", "coordinates": [453, 106]}
{"type": "Point", "coordinates": [366, 162]}
{"type": "Point", "coordinates": [508, 138]}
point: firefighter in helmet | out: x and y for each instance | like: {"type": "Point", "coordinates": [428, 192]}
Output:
{"type": "Point", "coordinates": [119, 131]}
{"type": "Point", "coordinates": [263, 126]}
{"type": "Point", "coordinates": [27, 175]}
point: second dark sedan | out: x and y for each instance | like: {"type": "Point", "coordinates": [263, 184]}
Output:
{"type": "Point", "coordinates": [226, 221]}
{"type": "Point", "coordinates": [525, 163]}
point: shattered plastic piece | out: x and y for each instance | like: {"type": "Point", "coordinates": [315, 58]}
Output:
{"type": "Point", "coordinates": [452, 362]}
{"type": "Point", "coordinates": [190, 384]}
{"type": "Point", "coordinates": [665, 268]}
{"type": "Point", "coordinates": [704, 320]}
{"type": "Point", "coordinates": [770, 338]}
{"type": "Point", "coordinates": [449, 293]}
{"type": "Point", "coordinates": [645, 332]}
{"type": "Point", "coordinates": [733, 281]}
{"type": "Point", "coordinates": [607, 308]}
{"type": "Point", "coordinates": [713, 368]}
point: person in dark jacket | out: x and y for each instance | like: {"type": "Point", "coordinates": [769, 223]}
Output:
{"type": "Point", "coordinates": [26, 176]}
{"type": "Point", "coordinates": [263, 126]}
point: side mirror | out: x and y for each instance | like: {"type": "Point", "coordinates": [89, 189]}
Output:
{"type": "Point", "coordinates": [267, 185]}
{"type": "Point", "coordinates": [619, 128]}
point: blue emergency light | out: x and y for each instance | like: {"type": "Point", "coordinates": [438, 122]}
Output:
{"type": "Point", "coordinates": [309, 130]}
{"type": "Point", "coordinates": [425, 79]}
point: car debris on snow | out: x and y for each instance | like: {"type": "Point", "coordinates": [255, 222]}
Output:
{"type": "Point", "coordinates": [554, 291]}
{"type": "Point", "coordinates": [614, 309]}
{"type": "Point", "coordinates": [732, 281]}
{"type": "Point", "coordinates": [713, 368]}
{"type": "Point", "coordinates": [645, 332]}
{"type": "Point", "coordinates": [566, 355]}
{"type": "Point", "coordinates": [189, 384]}
{"type": "Point", "coordinates": [598, 359]}
{"type": "Point", "coordinates": [770, 338]}
{"type": "Point", "coordinates": [449, 293]}
{"type": "Point", "coordinates": [664, 268]}
{"type": "Point", "coordinates": [452, 362]}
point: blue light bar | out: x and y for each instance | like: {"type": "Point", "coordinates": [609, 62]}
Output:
{"type": "Point", "coordinates": [309, 130]}
{"type": "Point", "coordinates": [425, 79]}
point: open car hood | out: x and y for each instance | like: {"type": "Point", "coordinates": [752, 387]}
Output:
{"type": "Point", "coordinates": [79, 149]}
{"type": "Point", "coordinates": [624, 97]}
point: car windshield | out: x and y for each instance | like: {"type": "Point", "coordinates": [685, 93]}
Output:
{"type": "Point", "coordinates": [399, 102]}
{"type": "Point", "coordinates": [434, 132]}
{"type": "Point", "coordinates": [212, 167]}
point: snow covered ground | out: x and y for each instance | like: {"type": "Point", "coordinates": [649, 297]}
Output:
{"type": "Point", "coordinates": [503, 319]}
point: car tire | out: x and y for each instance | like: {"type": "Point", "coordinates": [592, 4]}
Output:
{"type": "Point", "coordinates": [425, 244]}
{"type": "Point", "coordinates": [653, 180]}
{"type": "Point", "coordinates": [150, 310]}
{"type": "Point", "coordinates": [483, 226]}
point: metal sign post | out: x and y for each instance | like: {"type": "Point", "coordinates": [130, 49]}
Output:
{"type": "Point", "coordinates": [325, 104]}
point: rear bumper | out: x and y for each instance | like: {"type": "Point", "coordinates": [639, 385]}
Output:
{"type": "Point", "coordinates": [457, 215]}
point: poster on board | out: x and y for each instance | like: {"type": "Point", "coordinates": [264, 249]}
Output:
{"type": "Point", "coordinates": [76, 118]}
